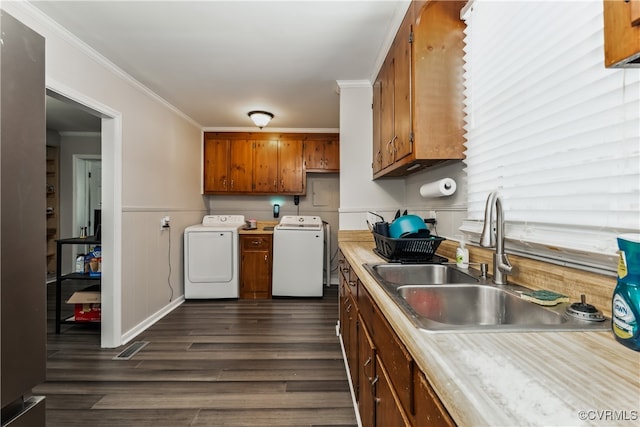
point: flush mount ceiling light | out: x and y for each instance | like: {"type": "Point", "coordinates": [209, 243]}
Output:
{"type": "Point", "coordinates": [260, 118]}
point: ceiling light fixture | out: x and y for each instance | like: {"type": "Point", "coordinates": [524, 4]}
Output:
{"type": "Point", "coordinates": [260, 118]}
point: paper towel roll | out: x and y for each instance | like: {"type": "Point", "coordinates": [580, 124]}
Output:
{"type": "Point", "coordinates": [440, 188]}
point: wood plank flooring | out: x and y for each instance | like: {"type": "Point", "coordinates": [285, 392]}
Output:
{"type": "Point", "coordinates": [208, 363]}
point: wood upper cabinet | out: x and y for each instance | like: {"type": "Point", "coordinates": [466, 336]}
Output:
{"type": "Point", "coordinates": [256, 266]}
{"type": "Point", "coordinates": [261, 163]}
{"type": "Point", "coordinates": [266, 166]}
{"type": "Point", "coordinates": [418, 113]}
{"type": "Point", "coordinates": [621, 33]}
{"type": "Point", "coordinates": [291, 178]}
{"type": "Point", "coordinates": [216, 164]}
{"type": "Point", "coordinates": [322, 155]}
{"type": "Point", "coordinates": [241, 165]}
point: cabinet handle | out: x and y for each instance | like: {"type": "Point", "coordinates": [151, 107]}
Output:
{"type": "Point", "coordinates": [347, 269]}
{"type": "Point", "coordinates": [367, 362]}
{"type": "Point", "coordinates": [374, 381]}
{"type": "Point", "coordinates": [255, 242]}
{"type": "Point", "coordinates": [348, 308]}
{"type": "Point", "coordinates": [266, 258]}
{"type": "Point", "coordinates": [232, 184]}
{"type": "Point", "coordinates": [352, 283]}
{"type": "Point", "coordinates": [224, 183]}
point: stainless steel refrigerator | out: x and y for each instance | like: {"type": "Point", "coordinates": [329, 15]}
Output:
{"type": "Point", "coordinates": [22, 223]}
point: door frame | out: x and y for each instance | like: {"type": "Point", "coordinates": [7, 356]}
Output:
{"type": "Point", "coordinates": [111, 153]}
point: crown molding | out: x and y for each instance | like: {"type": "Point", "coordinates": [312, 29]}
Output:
{"type": "Point", "coordinates": [24, 7]}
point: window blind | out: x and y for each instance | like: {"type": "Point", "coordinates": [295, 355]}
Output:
{"type": "Point", "coordinates": [551, 128]}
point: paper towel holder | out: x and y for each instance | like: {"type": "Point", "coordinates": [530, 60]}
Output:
{"type": "Point", "coordinates": [441, 188]}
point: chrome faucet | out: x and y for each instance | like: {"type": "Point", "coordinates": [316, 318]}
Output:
{"type": "Point", "coordinates": [495, 238]}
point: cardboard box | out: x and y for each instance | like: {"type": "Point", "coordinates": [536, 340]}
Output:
{"type": "Point", "coordinates": [87, 306]}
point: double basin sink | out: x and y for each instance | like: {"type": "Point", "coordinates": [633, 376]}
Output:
{"type": "Point", "coordinates": [444, 298]}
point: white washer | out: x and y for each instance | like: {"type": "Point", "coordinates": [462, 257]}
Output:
{"type": "Point", "coordinates": [211, 266]}
{"type": "Point", "coordinates": [298, 252]}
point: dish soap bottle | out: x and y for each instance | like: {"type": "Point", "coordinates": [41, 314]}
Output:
{"type": "Point", "coordinates": [462, 255]}
{"type": "Point", "coordinates": [626, 296]}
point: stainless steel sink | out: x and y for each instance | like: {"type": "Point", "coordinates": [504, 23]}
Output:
{"type": "Point", "coordinates": [419, 274]}
{"type": "Point", "coordinates": [442, 298]}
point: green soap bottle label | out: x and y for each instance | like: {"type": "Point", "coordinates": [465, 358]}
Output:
{"type": "Point", "coordinates": [624, 322]}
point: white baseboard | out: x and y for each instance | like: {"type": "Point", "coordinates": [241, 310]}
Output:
{"type": "Point", "coordinates": [149, 321]}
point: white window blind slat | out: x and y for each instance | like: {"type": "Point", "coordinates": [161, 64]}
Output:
{"type": "Point", "coordinates": [551, 128]}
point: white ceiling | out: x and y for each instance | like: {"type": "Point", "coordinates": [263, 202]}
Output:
{"type": "Point", "coordinates": [217, 60]}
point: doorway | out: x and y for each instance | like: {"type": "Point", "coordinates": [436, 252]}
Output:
{"type": "Point", "coordinates": [110, 204]}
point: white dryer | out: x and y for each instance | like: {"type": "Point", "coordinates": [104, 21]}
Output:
{"type": "Point", "coordinates": [298, 253]}
{"type": "Point", "coordinates": [211, 253]}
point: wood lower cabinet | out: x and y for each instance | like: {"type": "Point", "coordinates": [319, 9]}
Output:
{"type": "Point", "coordinates": [390, 390]}
{"type": "Point", "coordinates": [429, 409]}
{"type": "Point", "coordinates": [388, 410]}
{"type": "Point", "coordinates": [256, 266]}
{"type": "Point", "coordinates": [366, 376]}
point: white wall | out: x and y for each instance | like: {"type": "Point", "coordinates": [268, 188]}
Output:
{"type": "Point", "coordinates": [322, 199]}
{"type": "Point", "coordinates": [358, 192]}
{"type": "Point", "coordinates": [160, 175]}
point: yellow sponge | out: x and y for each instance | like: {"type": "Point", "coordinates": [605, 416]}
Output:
{"type": "Point", "coordinates": [544, 297]}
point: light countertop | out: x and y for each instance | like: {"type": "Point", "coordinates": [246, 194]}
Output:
{"type": "Point", "coordinates": [516, 379]}
{"type": "Point", "coordinates": [260, 228]}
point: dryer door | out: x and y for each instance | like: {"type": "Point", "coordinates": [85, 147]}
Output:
{"type": "Point", "coordinates": [210, 256]}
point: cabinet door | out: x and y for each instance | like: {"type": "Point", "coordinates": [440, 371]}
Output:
{"type": "Point", "coordinates": [388, 412]}
{"type": "Point", "coordinates": [352, 348]}
{"type": "Point", "coordinates": [266, 166]}
{"type": "Point", "coordinates": [241, 167]}
{"type": "Point", "coordinates": [396, 358]}
{"type": "Point", "coordinates": [255, 271]}
{"type": "Point", "coordinates": [402, 116]}
{"type": "Point", "coordinates": [290, 160]}
{"type": "Point", "coordinates": [322, 155]}
{"type": "Point", "coordinates": [216, 165]}
{"type": "Point", "coordinates": [332, 155]}
{"type": "Point", "coordinates": [429, 409]}
{"type": "Point", "coordinates": [314, 155]}
{"type": "Point", "coordinates": [366, 375]}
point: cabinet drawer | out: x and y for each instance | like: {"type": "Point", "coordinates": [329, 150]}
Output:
{"type": "Point", "coordinates": [252, 243]}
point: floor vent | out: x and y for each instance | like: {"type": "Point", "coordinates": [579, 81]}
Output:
{"type": "Point", "coordinates": [131, 351]}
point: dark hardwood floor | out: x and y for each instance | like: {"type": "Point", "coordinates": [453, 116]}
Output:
{"type": "Point", "coordinates": [208, 363]}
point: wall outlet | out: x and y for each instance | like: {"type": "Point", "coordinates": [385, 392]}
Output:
{"type": "Point", "coordinates": [165, 222]}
